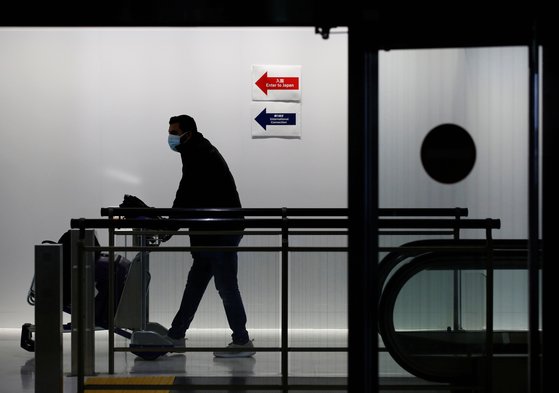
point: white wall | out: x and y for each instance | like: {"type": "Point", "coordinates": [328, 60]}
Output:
{"type": "Point", "coordinates": [84, 115]}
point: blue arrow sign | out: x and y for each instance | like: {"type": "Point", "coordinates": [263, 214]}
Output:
{"type": "Point", "coordinates": [275, 119]}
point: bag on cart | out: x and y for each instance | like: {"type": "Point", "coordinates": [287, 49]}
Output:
{"type": "Point", "coordinates": [121, 266]}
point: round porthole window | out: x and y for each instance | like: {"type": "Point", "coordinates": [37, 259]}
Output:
{"type": "Point", "coordinates": [448, 153]}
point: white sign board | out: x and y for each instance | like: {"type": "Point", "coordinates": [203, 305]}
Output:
{"type": "Point", "coordinates": [276, 83]}
{"type": "Point", "coordinates": [276, 119]}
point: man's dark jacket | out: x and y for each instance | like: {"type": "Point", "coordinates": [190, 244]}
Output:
{"type": "Point", "coordinates": [206, 179]}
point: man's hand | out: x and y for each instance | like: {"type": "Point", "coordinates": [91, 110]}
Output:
{"type": "Point", "coordinates": [164, 237]}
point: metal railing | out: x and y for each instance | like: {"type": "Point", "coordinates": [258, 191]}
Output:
{"type": "Point", "coordinates": [283, 222]}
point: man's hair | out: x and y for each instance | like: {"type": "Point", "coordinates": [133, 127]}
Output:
{"type": "Point", "coordinates": [186, 123]}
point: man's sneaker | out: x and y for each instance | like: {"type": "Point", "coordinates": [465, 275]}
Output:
{"type": "Point", "coordinates": [237, 351]}
{"type": "Point", "coordinates": [177, 342]}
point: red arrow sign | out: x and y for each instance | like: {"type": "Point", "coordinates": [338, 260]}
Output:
{"type": "Point", "coordinates": [277, 83]}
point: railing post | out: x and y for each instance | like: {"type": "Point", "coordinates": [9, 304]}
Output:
{"type": "Point", "coordinates": [457, 317]}
{"type": "Point", "coordinates": [111, 306]}
{"type": "Point", "coordinates": [489, 310]}
{"type": "Point", "coordinates": [48, 318]}
{"type": "Point", "coordinates": [284, 300]}
{"type": "Point", "coordinates": [83, 304]}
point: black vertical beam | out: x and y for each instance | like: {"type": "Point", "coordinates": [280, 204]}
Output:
{"type": "Point", "coordinates": [533, 219]}
{"type": "Point", "coordinates": [363, 211]}
{"type": "Point", "coordinates": [48, 319]}
{"type": "Point", "coordinates": [550, 128]}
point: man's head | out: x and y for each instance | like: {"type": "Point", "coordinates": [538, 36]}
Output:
{"type": "Point", "coordinates": [182, 124]}
{"type": "Point", "coordinates": [181, 129]}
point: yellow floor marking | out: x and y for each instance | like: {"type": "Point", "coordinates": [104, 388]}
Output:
{"type": "Point", "coordinates": [151, 380]}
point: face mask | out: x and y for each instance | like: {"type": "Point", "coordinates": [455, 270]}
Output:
{"type": "Point", "coordinates": [174, 141]}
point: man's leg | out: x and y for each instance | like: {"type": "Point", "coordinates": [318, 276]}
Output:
{"type": "Point", "coordinates": [196, 284]}
{"type": "Point", "coordinates": [224, 266]}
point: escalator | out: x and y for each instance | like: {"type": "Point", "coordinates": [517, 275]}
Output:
{"type": "Point", "coordinates": [451, 353]}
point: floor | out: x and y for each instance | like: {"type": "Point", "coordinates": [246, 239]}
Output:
{"type": "Point", "coordinates": [17, 366]}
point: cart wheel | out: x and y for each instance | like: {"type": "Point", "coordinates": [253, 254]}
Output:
{"type": "Point", "coordinates": [149, 355]}
{"type": "Point", "coordinates": [26, 341]}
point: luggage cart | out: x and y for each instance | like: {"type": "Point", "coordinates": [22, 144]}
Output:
{"type": "Point", "coordinates": [132, 278]}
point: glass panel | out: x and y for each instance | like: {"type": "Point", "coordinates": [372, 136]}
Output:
{"type": "Point", "coordinates": [453, 132]}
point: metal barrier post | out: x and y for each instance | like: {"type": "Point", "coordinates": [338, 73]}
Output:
{"type": "Point", "coordinates": [457, 296]}
{"type": "Point", "coordinates": [83, 307]}
{"type": "Point", "coordinates": [48, 318]}
{"type": "Point", "coordinates": [489, 289]}
{"type": "Point", "coordinates": [284, 301]}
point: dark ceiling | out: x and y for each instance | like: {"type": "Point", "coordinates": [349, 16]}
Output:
{"type": "Point", "coordinates": [392, 25]}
